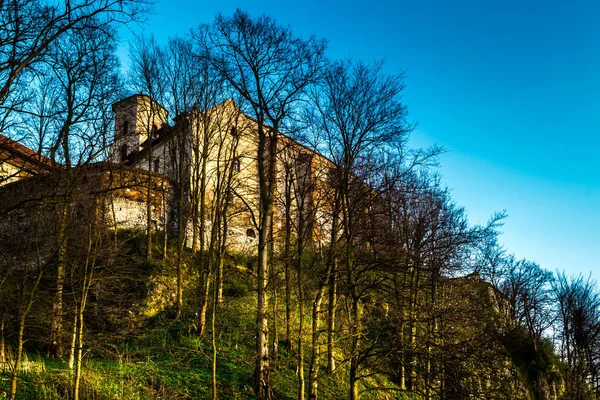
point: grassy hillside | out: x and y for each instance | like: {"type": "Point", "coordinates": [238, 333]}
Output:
{"type": "Point", "coordinates": [136, 349]}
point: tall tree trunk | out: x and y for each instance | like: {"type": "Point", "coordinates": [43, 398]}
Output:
{"type": "Point", "coordinates": [266, 174]}
{"type": "Point", "coordinates": [56, 342]}
{"type": "Point", "coordinates": [286, 258]}
{"type": "Point", "coordinates": [261, 372]}
{"type": "Point", "coordinates": [73, 338]}
{"type": "Point", "coordinates": [204, 300]}
{"type": "Point", "coordinates": [149, 201]}
{"type": "Point", "coordinates": [2, 342]}
{"type": "Point", "coordinates": [301, 383]}
{"type": "Point", "coordinates": [18, 359]}
{"type": "Point", "coordinates": [272, 274]}
{"type": "Point", "coordinates": [24, 308]}
{"type": "Point", "coordinates": [165, 221]}
{"type": "Point", "coordinates": [401, 304]}
{"type": "Point", "coordinates": [213, 335]}
{"type": "Point", "coordinates": [88, 271]}
{"type": "Point", "coordinates": [114, 220]}
{"type": "Point", "coordinates": [181, 217]}
{"type": "Point", "coordinates": [180, 243]}
{"type": "Point", "coordinates": [221, 253]}
{"type": "Point", "coordinates": [203, 271]}
{"type": "Point", "coordinates": [196, 199]}
{"type": "Point", "coordinates": [355, 344]}
{"type": "Point", "coordinates": [78, 367]}
{"type": "Point", "coordinates": [332, 287]}
{"type": "Point", "coordinates": [313, 374]}
{"type": "Point", "coordinates": [411, 360]}
{"type": "Point", "coordinates": [331, 311]}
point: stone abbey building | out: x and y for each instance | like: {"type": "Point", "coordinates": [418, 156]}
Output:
{"type": "Point", "coordinates": [209, 153]}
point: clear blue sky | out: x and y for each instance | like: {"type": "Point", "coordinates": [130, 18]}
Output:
{"type": "Point", "coordinates": [511, 88]}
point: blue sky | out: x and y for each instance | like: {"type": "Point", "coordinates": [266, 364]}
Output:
{"type": "Point", "coordinates": [509, 88]}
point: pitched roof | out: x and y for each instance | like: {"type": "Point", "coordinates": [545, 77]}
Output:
{"type": "Point", "coordinates": [15, 153]}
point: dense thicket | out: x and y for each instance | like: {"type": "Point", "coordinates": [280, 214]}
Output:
{"type": "Point", "coordinates": [405, 297]}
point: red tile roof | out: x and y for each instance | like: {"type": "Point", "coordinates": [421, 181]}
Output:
{"type": "Point", "coordinates": [19, 155]}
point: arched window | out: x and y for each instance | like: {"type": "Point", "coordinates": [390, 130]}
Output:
{"type": "Point", "coordinates": [236, 165]}
{"type": "Point", "coordinates": [124, 152]}
{"type": "Point", "coordinates": [125, 127]}
{"type": "Point", "coordinates": [250, 233]}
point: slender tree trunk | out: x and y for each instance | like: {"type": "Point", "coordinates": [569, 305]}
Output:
{"type": "Point", "coordinates": [220, 283]}
{"type": "Point", "coordinates": [214, 337]}
{"type": "Point", "coordinates": [402, 299]}
{"type": "Point", "coordinates": [272, 274]}
{"type": "Point", "coordinates": [266, 176]}
{"type": "Point", "coordinates": [301, 383]}
{"type": "Point", "coordinates": [411, 361]}
{"type": "Point", "coordinates": [78, 368]}
{"type": "Point", "coordinates": [56, 343]}
{"type": "Point", "coordinates": [196, 199]}
{"type": "Point", "coordinates": [219, 277]}
{"type": "Point", "coordinates": [431, 328]}
{"type": "Point", "coordinates": [355, 344]}
{"type": "Point", "coordinates": [275, 355]}
{"type": "Point", "coordinates": [149, 201]}
{"type": "Point", "coordinates": [286, 258]}
{"type": "Point", "coordinates": [88, 271]}
{"type": "Point", "coordinates": [332, 288]}
{"type": "Point", "coordinates": [181, 221]}
{"type": "Point", "coordinates": [24, 308]}
{"type": "Point", "coordinates": [2, 343]}
{"type": "Point", "coordinates": [331, 311]}
{"type": "Point", "coordinates": [115, 223]}
{"type": "Point", "coordinates": [401, 333]}
{"type": "Point", "coordinates": [165, 221]}
{"type": "Point", "coordinates": [355, 311]}
{"type": "Point", "coordinates": [203, 273]}
{"type": "Point", "coordinates": [313, 374]}
{"type": "Point", "coordinates": [262, 327]}
{"type": "Point", "coordinates": [213, 251]}
{"type": "Point", "coordinates": [180, 243]}
{"type": "Point", "coordinates": [73, 339]}
{"type": "Point", "coordinates": [204, 300]}
{"type": "Point", "coordinates": [18, 359]}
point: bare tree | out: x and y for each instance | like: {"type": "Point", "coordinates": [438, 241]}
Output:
{"type": "Point", "coordinates": [31, 28]}
{"type": "Point", "coordinates": [360, 112]}
{"type": "Point", "coordinates": [527, 287]}
{"type": "Point", "coordinates": [147, 77]}
{"type": "Point", "coordinates": [270, 69]}
{"type": "Point", "coordinates": [82, 75]}
{"type": "Point", "coordinates": [578, 303]}
{"type": "Point", "coordinates": [24, 261]}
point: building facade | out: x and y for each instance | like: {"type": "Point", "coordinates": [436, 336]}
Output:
{"type": "Point", "coordinates": [192, 167]}
{"type": "Point", "coordinates": [213, 153]}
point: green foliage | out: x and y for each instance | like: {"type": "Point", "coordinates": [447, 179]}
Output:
{"type": "Point", "coordinates": [541, 370]}
{"type": "Point", "coordinates": [137, 349]}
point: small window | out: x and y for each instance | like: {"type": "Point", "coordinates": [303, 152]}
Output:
{"type": "Point", "coordinates": [236, 165]}
{"type": "Point", "coordinates": [233, 131]}
{"type": "Point", "coordinates": [250, 233]}
{"type": "Point", "coordinates": [125, 127]}
{"type": "Point", "coordinates": [123, 153]}
{"type": "Point", "coordinates": [156, 165]}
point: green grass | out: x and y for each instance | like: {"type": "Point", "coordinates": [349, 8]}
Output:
{"type": "Point", "coordinates": [167, 360]}
{"type": "Point", "coordinates": [156, 357]}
